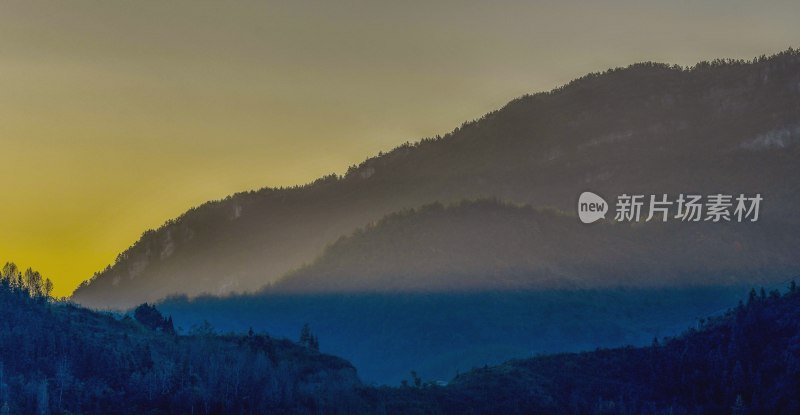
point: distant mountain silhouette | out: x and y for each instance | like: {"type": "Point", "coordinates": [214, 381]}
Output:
{"type": "Point", "coordinates": [488, 245]}
{"type": "Point", "coordinates": [724, 126]}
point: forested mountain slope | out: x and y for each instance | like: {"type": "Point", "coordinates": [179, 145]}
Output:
{"type": "Point", "coordinates": [721, 127]}
{"type": "Point", "coordinates": [745, 362]}
{"type": "Point", "coordinates": [62, 359]}
{"type": "Point", "coordinates": [490, 245]}
{"type": "Point", "coordinates": [58, 358]}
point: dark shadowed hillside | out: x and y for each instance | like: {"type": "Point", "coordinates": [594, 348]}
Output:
{"type": "Point", "coordinates": [63, 359]}
{"type": "Point", "coordinates": [648, 128]}
{"type": "Point", "coordinates": [745, 362]}
{"type": "Point", "coordinates": [58, 358]}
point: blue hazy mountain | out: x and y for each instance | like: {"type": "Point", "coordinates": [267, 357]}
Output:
{"type": "Point", "coordinates": [439, 335]}
{"type": "Point", "coordinates": [59, 358]}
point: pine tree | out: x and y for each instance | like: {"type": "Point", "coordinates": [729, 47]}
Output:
{"type": "Point", "coordinates": [42, 399]}
{"type": "Point", "coordinates": [417, 380]}
{"type": "Point", "coordinates": [739, 407]}
{"type": "Point", "coordinates": [306, 338]}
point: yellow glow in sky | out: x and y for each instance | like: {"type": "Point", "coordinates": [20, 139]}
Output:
{"type": "Point", "coordinates": [118, 115]}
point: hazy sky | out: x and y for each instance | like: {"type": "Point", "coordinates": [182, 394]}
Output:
{"type": "Point", "coordinates": [117, 115]}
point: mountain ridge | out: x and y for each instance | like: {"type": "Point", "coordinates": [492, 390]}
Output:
{"type": "Point", "coordinates": [491, 245]}
{"type": "Point", "coordinates": [645, 128]}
